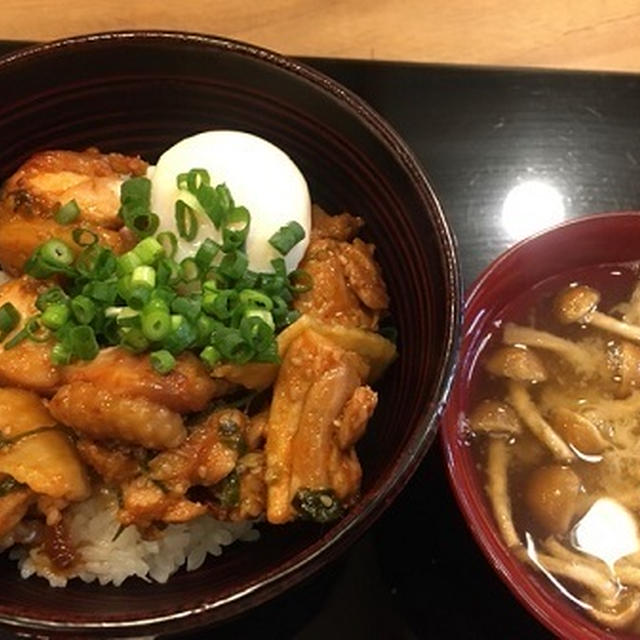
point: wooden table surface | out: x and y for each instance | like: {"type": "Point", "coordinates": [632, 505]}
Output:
{"type": "Point", "coordinates": [573, 34]}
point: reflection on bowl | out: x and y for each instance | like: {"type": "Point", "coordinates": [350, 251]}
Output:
{"type": "Point", "coordinates": [138, 93]}
{"type": "Point", "coordinates": [500, 483]}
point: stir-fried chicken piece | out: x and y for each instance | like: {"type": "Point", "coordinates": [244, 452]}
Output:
{"type": "Point", "coordinates": [205, 459]}
{"type": "Point", "coordinates": [28, 364]}
{"type": "Point", "coordinates": [13, 507]}
{"type": "Point", "coordinates": [50, 179]}
{"type": "Point", "coordinates": [115, 464]}
{"type": "Point", "coordinates": [22, 411]}
{"type": "Point", "coordinates": [347, 284]}
{"type": "Point", "coordinates": [102, 414]}
{"type": "Point", "coordinates": [257, 430]}
{"type": "Point", "coordinates": [250, 375]}
{"type": "Point", "coordinates": [146, 501]}
{"type": "Point", "coordinates": [37, 453]}
{"type": "Point", "coordinates": [343, 226]}
{"type": "Point", "coordinates": [317, 407]}
{"type": "Point", "coordinates": [189, 387]}
{"type": "Point", "coordinates": [208, 455]}
{"type": "Point", "coordinates": [242, 495]}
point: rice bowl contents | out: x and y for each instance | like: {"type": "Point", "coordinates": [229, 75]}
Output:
{"type": "Point", "coordinates": [159, 393]}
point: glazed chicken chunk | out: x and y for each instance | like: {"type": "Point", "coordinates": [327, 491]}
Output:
{"type": "Point", "coordinates": [28, 364]}
{"type": "Point", "coordinates": [318, 411]}
{"type": "Point", "coordinates": [348, 288]}
{"type": "Point", "coordinates": [31, 197]}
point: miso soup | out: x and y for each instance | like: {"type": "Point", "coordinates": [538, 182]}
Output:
{"type": "Point", "coordinates": [555, 430]}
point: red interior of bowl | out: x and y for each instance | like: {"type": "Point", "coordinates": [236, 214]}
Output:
{"type": "Point", "coordinates": [598, 239]}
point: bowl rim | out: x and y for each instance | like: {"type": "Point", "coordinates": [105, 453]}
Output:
{"type": "Point", "coordinates": [462, 480]}
{"type": "Point", "coordinates": [329, 548]}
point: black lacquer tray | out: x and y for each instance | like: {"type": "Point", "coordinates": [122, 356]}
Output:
{"type": "Point", "coordinates": [569, 144]}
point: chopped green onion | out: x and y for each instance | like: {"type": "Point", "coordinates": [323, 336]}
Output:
{"type": "Point", "coordinates": [162, 361]}
{"type": "Point", "coordinates": [54, 256]}
{"type": "Point", "coordinates": [186, 221]}
{"type": "Point", "coordinates": [84, 237]}
{"type": "Point", "coordinates": [205, 326]}
{"type": "Point", "coordinates": [182, 336]}
{"type": "Point", "coordinates": [272, 284]}
{"type": "Point", "coordinates": [224, 197]}
{"type": "Point", "coordinates": [167, 272]}
{"type": "Point", "coordinates": [263, 314]}
{"type": "Point", "coordinates": [9, 318]}
{"type": "Point", "coordinates": [253, 298]}
{"type": "Point", "coordinates": [181, 181]}
{"type": "Point", "coordinates": [287, 237]}
{"type": "Point", "coordinates": [233, 265]}
{"type": "Point", "coordinates": [206, 253]}
{"type": "Point", "coordinates": [209, 201]}
{"type": "Point", "coordinates": [269, 354]}
{"type": "Point", "coordinates": [143, 223]}
{"type": "Point", "coordinates": [188, 307]}
{"type": "Point", "coordinates": [155, 323]}
{"type": "Point", "coordinates": [168, 242]}
{"type": "Point", "coordinates": [236, 230]}
{"type": "Point", "coordinates": [210, 356]}
{"type": "Point", "coordinates": [149, 250]}
{"type": "Point", "coordinates": [128, 318]}
{"type": "Point", "coordinates": [138, 296]}
{"type": "Point", "coordinates": [144, 300]}
{"type": "Point", "coordinates": [19, 337]}
{"type": "Point", "coordinates": [291, 316]}
{"type": "Point", "coordinates": [105, 292]}
{"type": "Point", "coordinates": [55, 316]}
{"type": "Point", "coordinates": [162, 294]}
{"type": "Point", "coordinates": [83, 309]}
{"type": "Point", "coordinates": [124, 286]}
{"type": "Point", "coordinates": [256, 332]}
{"type": "Point", "coordinates": [134, 339]}
{"type": "Point", "coordinates": [189, 270]}
{"type": "Point", "coordinates": [67, 213]}
{"type": "Point", "coordinates": [136, 191]}
{"type": "Point", "coordinates": [233, 346]}
{"type": "Point", "coordinates": [196, 178]}
{"type": "Point", "coordinates": [82, 341]}
{"type": "Point", "coordinates": [36, 332]}
{"type": "Point", "coordinates": [220, 304]}
{"type": "Point", "coordinates": [55, 295]}
{"type": "Point", "coordinates": [300, 281]}
{"type": "Point", "coordinates": [60, 354]}
{"type": "Point", "coordinates": [127, 262]}
{"type": "Point", "coordinates": [143, 277]}
{"type": "Point", "coordinates": [279, 266]}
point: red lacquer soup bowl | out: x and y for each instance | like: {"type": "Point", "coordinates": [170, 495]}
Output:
{"type": "Point", "coordinates": [575, 247]}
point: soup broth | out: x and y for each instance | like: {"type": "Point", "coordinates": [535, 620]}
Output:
{"type": "Point", "coordinates": [554, 428]}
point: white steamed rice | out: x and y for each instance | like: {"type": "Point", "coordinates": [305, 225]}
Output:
{"type": "Point", "coordinates": [112, 557]}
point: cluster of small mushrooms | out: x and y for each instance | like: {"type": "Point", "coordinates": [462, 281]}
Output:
{"type": "Point", "coordinates": [576, 403]}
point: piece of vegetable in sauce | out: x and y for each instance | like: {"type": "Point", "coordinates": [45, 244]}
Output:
{"type": "Point", "coordinates": [318, 505]}
{"type": "Point", "coordinates": [9, 484]}
{"type": "Point", "coordinates": [231, 435]}
{"type": "Point", "coordinates": [227, 491]}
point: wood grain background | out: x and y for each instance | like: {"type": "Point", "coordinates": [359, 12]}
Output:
{"type": "Point", "coordinates": [578, 34]}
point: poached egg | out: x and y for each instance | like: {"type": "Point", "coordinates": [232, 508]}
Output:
{"type": "Point", "coordinates": [260, 177]}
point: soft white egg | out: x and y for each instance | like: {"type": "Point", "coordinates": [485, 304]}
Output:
{"type": "Point", "coordinates": [260, 177]}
